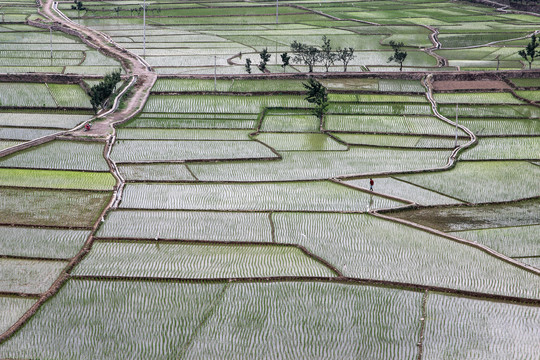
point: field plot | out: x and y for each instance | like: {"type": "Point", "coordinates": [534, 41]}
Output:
{"type": "Point", "coordinates": [4, 144]}
{"type": "Point", "coordinates": [363, 246]}
{"type": "Point", "coordinates": [319, 165]}
{"type": "Point", "coordinates": [197, 261]}
{"type": "Point", "coordinates": [532, 261]}
{"type": "Point", "coordinates": [500, 126]}
{"type": "Point", "coordinates": [51, 207]}
{"type": "Point", "coordinates": [25, 48]}
{"type": "Point", "coordinates": [193, 121]}
{"type": "Point", "coordinates": [483, 181]}
{"type": "Point", "coordinates": [373, 84]}
{"type": "Point", "coordinates": [289, 120]}
{"type": "Point", "coordinates": [476, 98]}
{"type": "Point", "coordinates": [399, 141]}
{"type": "Point", "coordinates": [60, 155]}
{"type": "Point", "coordinates": [530, 94]}
{"type": "Point", "coordinates": [181, 134]}
{"type": "Point", "coordinates": [42, 243]}
{"type": "Point", "coordinates": [28, 276]}
{"type": "Point", "coordinates": [53, 179]}
{"type": "Point", "coordinates": [491, 111]}
{"type": "Point", "coordinates": [179, 309]}
{"type": "Point", "coordinates": [300, 142]}
{"type": "Point", "coordinates": [11, 309]}
{"type": "Point", "coordinates": [49, 120]}
{"type": "Point", "coordinates": [509, 148]}
{"type": "Point", "coordinates": [141, 151]}
{"type": "Point", "coordinates": [395, 187]}
{"type": "Point", "coordinates": [481, 329]}
{"type": "Point", "coordinates": [310, 320]}
{"type": "Point", "coordinates": [293, 196]}
{"type": "Point", "coordinates": [155, 172]}
{"type": "Point", "coordinates": [283, 320]}
{"type": "Point", "coordinates": [474, 217]}
{"type": "Point", "coordinates": [26, 95]}
{"type": "Point", "coordinates": [220, 103]}
{"type": "Point", "coordinates": [69, 96]}
{"type": "Point", "coordinates": [23, 134]}
{"type": "Point", "coordinates": [187, 225]}
{"type": "Point", "coordinates": [421, 125]}
{"type": "Point", "coordinates": [511, 241]}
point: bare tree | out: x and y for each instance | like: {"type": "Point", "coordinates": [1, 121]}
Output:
{"type": "Point", "coordinates": [307, 54]}
{"type": "Point", "coordinates": [345, 55]}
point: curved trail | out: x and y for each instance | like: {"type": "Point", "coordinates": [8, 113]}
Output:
{"type": "Point", "coordinates": [133, 64]}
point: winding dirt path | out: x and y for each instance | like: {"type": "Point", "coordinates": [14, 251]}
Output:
{"type": "Point", "coordinates": [133, 64]}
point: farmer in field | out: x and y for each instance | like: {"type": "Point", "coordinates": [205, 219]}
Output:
{"type": "Point", "coordinates": [371, 183]}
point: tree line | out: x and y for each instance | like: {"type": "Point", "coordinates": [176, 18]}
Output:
{"type": "Point", "coordinates": [311, 56]}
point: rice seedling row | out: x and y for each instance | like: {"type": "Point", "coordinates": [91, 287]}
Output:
{"type": "Point", "coordinates": [525, 82]}
{"type": "Point", "coordinates": [512, 328]}
{"type": "Point", "coordinates": [476, 98]}
{"type": "Point", "coordinates": [133, 151]}
{"type": "Point", "coordinates": [379, 109]}
{"type": "Point", "coordinates": [60, 155]}
{"type": "Point", "coordinates": [300, 142]}
{"type": "Point", "coordinates": [155, 172]}
{"type": "Point", "coordinates": [41, 242]}
{"type": "Point", "coordinates": [273, 320]}
{"type": "Point", "coordinates": [491, 111]}
{"type": "Point", "coordinates": [56, 179]}
{"type": "Point", "coordinates": [4, 144]}
{"type": "Point", "coordinates": [181, 308]}
{"type": "Point", "coordinates": [428, 125]}
{"type": "Point", "coordinates": [352, 243]}
{"type": "Point", "coordinates": [111, 306]}
{"type": "Point", "coordinates": [25, 95]}
{"type": "Point", "coordinates": [187, 225]}
{"type": "Point", "coordinates": [24, 134]}
{"type": "Point", "coordinates": [486, 181]}
{"type": "Point", "coordinates": [28, 276]}
{"type": "Point", "coordinates": [195, 261]}
{"type": "Point", "coordinates": [508, 148]}
{"type": "Point", "coordinates": [494, 127]}
{"type": "Point", "coordinates": [41, 120]}
{"type": "Point", "coordinates": [318, 165]}
{"type": "Point", "coordinates": [11, 309]}
{"type": "Point", "coordinates": [293, 122]}
{"type": "Point", "coordinates": [295, 196]}
{"type": "Point", "coordinates": [532, 261]}
{"type": "Point", "coordinates": [63, 208]}
{"type": "Point", "coordinates": [395, 187]}
{"type": "Point", "coordinates": [376, 98]}
{"type": "Point", "coordinates": [220, 103]}
{"type": "Point", "coordinates": [181, 134]}
{"type": "Point", "coordinates": [474, 217]}
{"type": "Point", "coordinates": [69, 96]}
{"type": "Point", "coordinates": [511, 241]}
{"type": "Point", "coordinates": [530, 94]}
{"type": "Point", "coordinates": [192, 123]}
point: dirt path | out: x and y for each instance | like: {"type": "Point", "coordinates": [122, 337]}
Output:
{"type": "Point", "coordinates": [133, 64]}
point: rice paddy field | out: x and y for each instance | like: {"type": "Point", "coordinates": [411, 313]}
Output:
{"type": "Point", "coordinates": [224, 219]}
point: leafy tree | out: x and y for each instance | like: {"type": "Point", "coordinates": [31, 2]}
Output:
{"type": "Point", "coordinates": [78, 6]}
{"type": "Point", "coordinates": [307, 54]}
{"type": "Point", "coordinates": [530, 52]}
{"type": "Point", "coordinates": [265, 56]}
{"type": "Point", "coordinates": [345, 55]}
{"type": "Point", "coordinates": [399, 56]}
{"type": "Point", "coordinates": [248, 66]}
{"type": "Point", "coordinates": [328, 57]}
{"type": "Point", "coordinates": [285, 58]}
{"type": "Point", "coordinates": [101, 92]}
{"type": "Point", "coordinates": [317, 94]}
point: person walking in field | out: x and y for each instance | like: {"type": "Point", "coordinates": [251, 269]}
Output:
{"type": "Point", "coordinates": [371, 183]}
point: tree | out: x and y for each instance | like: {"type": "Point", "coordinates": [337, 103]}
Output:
{"type": "Point", "coordinates": [248, 66]}
{"type": "Point", "coordinates": [307, 54]}
{"type": "Point", "coordinates": [399, 56]}
{"type": "Point", "coordinates": [265, 56]}
{"type": "Point", "coordinates": [317, 94]}
{"type": "Point", "coordinates": [78, 6]}
{"type": "Point", "coordinates": [328, 57]}
{"type": "Point", "coordinates": [285, 60]}
{"type": "Point", "coordinates": [345, 55]}
{"type": "Point", "coordinates": [101, 92]}
{"type": "Point", "coordinates": [530, 52]}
